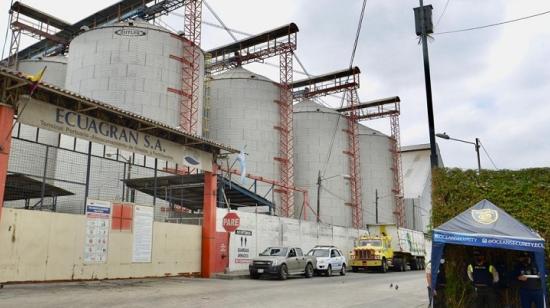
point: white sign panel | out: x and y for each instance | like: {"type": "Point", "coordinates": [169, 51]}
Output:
{"type": "Point", "coordinates": [39, 114]}
{"type": "Point", "coordinates": [143, 233]}
{"type": "Point", "coordinates": [242, 247]}
{"type": "Point", "coordinates": [98, 214]}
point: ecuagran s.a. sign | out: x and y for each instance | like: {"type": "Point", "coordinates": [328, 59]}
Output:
{"type": "Point", "coordinates": [68, 122]}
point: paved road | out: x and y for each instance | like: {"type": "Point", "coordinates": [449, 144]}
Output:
{"type": "Point", "coordinates": [352, 290]}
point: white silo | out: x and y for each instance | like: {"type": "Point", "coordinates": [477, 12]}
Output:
{"type": "Point", "coordinates": [317, 129]}
{"type": "Point", "coordinates": [243, 112]}
{"type": "Point", "coordinates": [28, 157]}
{"type": "Point", "coordinates": [377, 176]}
{"type": "Point", "coordinates": [133, 65]}
{"type": "Point", "coordinates": [55, 73]}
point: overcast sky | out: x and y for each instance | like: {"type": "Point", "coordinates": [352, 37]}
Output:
{"type": "Point", "coordinates": [491, 83]}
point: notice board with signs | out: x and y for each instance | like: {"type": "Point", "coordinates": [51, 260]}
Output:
{"type": "Point", "coordinates": [242, 247]}
{"type": "Point", "coordinates": [98, 214]}
{"type": "Point", "coordinates": [143, 234]}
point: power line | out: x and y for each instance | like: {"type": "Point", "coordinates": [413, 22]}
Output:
{"type": "Point", "coordinates": [354, 49]}
{"type": "Point", "coordinates": [495, 24]}
{"type": "Point", "coordinates": [358, 33]}
{"type": "Point", "coordinates": [443, 13]}
{"type": "Point", "coordinates": [486, 153]}
{"type": "Point", "coordinates": [220, 21]}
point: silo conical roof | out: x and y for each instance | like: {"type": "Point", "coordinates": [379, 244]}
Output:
{"type": "Point", "coordinates": [240, 73]}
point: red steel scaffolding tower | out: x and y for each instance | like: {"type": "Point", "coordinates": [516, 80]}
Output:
{"type": "Point", "coordinates": [354, 158]}
{"type": "Point", "coordinates": [383, 108]}
{"type": "Point", "coordinates": [286, 155]}
{"type": "Point", "coordinates": [189, 103]}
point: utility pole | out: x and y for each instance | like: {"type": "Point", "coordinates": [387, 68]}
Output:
{"type": "Point", "coordinates": [424, 26]}
{"type": "Point", "coordinates": [319, 197]}
{"type": "Point", "coordinates": [376, 204]}
{"type": "Point", "coordinates": [478, 160]}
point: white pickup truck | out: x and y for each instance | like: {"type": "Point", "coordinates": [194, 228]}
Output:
{"type": "Point", "coordinates": [282, 262]}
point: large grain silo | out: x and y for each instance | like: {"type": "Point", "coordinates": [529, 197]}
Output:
{"type": "Point", "coordinates": [377, 176]}
{"type": "Point", "coordinates": [138, 67]}
{"type": "Point", "coordinates": [314, 128]}
{"type": "Point", "coordinates": [243, 112]}
{"type": "Point", "coordinates": [133, 65]}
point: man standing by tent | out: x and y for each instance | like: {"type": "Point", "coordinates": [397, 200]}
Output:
{"type": "Point", "coordinates": [483, 275]}
{"type": "Point", "coordinates": [528, 275]}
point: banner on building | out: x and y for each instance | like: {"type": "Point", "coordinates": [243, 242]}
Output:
{"type": "Point", "coordinates": [47, 116]}
{"type": "Point", "coordinates": [143, 234]}
{"type": "Point", "coordinates": [98, 214]}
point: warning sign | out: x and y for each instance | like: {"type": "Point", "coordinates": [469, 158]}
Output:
{"type": "Point", "coordinates": [243, 245]}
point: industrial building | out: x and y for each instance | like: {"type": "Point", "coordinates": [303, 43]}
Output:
{"type": "Point", "coordinates": [309, 161]}
{"type": "Point", "coordinates": [417, 180]}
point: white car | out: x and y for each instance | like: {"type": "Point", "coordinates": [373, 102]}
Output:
{"type": "Point", "coordinates": [329, 259]}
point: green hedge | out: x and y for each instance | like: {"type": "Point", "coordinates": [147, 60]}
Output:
{"type": "Point", "coordinates": [524, 194]}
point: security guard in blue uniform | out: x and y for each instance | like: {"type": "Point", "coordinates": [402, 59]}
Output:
{"type": "Point", "coordinates": [530, 286]}
{"type": "Point", "coordinates": [483, 276]}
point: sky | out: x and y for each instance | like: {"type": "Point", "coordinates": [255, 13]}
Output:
{"type": "Point", "coordinates": [492, 84]}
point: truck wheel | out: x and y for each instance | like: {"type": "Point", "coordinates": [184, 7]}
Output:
{"type": "Point", "coordinates": [309, 271]}
{"type": "Point", "coordinates": [384, 266]}
{"type": "Point", "coordinates": [283, 272]}
{"type": "Point", "coordinates": [354, 269]}
{"type": "Point", "coordinates": [329, 271]}
{"type": "Point", "coordinates": [343, 270]}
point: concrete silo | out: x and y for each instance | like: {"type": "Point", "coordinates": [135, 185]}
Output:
{"type": "Point", "coordinates": [243, 113]}
{"type": "Point", "coordinates": [132, 65]}
{"type": "Point", "coordinates": [314, 127]}
{"type": "Point", "coordinates": [377, 176]}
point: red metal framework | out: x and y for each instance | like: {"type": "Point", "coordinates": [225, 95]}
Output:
{"type": "Point", "coordinates": [190, 71]}
{"type": "Point", "coordinates": [397, 171]}
{"type": "Point", "coordinates": [335, 82]}
{"type": "Point", "coordinates": [382, 108]}
{"type": "Point", "coordinates": [286, 157]}
{"type": "Point", "coordinates": [354, 158]}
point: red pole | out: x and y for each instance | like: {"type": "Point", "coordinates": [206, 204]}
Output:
{"type": "Point", "coordinates": [209, 222]}
{"type": "Point", "coordinates": [6, 121]}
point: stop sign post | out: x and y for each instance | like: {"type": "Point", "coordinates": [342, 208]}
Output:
{"type": "Point", "coordinates": [231, 222]}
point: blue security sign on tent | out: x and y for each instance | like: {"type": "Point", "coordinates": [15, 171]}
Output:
{"type": "Point", "coordinates": [487, 225]}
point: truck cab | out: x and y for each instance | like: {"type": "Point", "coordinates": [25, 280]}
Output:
{"type": "Point", "coordinates": [372, 252]}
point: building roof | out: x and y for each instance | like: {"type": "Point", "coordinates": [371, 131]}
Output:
{"type": "Point", "coordinates": [73, 101]}
{"type": "Point", "coordinates": [188, 191]}
{"type": "Point", "coordinates": [22, 187]}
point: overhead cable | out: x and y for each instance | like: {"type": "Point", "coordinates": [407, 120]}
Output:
{"type": "Point", "coordinates": [495, 24]}
{"type": "Point", "coordinates": [487, 153]}
{"type": "Point", "coordinates": [443, 13]}
{"type": "Point", "coordinates": [354, 49]}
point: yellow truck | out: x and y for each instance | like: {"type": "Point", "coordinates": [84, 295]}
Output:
{"type": "Point", "coordinates": [388, 246]}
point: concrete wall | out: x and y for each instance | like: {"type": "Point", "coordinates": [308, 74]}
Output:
{"type": "Point", "coordinates": [40, 246]}
{"type": "Point", "coordinates": [277, 231]}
